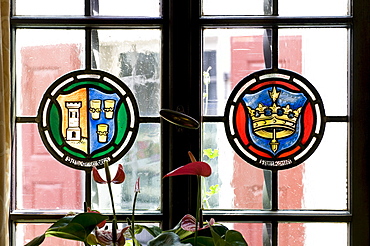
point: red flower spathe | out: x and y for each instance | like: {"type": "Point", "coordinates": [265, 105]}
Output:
{"type": "Point", "coordinates": [118, 179]}
{"type": "Point", "coordinates": [194, 168]}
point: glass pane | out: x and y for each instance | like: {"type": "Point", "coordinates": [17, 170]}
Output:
{"type": "Point", "coordinates": [323, 182]}
{"type": "Point", "coordinates": [313, 234]}
{"type": "Point", "coordinates": [40, 60]}
{"type": "Point", "coordinates": [314, 7]}
{"type": "Point", "coordinates": [142, 161]}
{"type": "Point", "coordinates": [42, 182]}
{"type": "Point", "coordinates": [225, 51]}
{"type": "Point", "coordinates": [134, 57]}
{"type": "Point", "coordinates": [233, 183]}
{"type": "Point", "coordinates": [234, 7]}
{"type": "Point", "coordinates": [256, 234]}
{"type": "Point", "coordinates": [320, 55]}
{"type": "Point", "coordinates": [148, 8]}
{"type": "Point", "coordinates": [49, 7]}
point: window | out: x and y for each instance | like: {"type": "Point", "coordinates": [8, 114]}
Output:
{"type": "Point", "coordinates": [189, 56]}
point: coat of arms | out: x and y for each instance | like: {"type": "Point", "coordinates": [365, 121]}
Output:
{"type": "Point", "coordinates": [274, 119]}
{"type": "Point", "coordinates": [88, 117]}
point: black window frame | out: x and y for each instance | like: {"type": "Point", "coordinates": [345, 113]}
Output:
{"type": "Point", "coordinates": [182, 24]}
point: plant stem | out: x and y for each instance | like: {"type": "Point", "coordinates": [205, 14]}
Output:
{"type": "Point", "coordinates": [109, 180]}
{"type": "Point", "coordinates": [114, 227]}
{"type": "Point", "coordinates": [198, 212]}
{"type": "Point", "coordinates": [133, 220]}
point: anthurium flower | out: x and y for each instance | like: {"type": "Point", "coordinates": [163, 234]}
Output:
{"type": "Point", "coordinates": [188, 223]}
{"type": "Point", "coordinates": [105, 237]}
{"type": "Point", "coordinates": [120, 175]}
{"type": "Point", "coordinates": [194, 168]}
{"type": "Point", "coordinates": [137, 186]}
{"type": "Point", "coordinates": [118, 178]}
{"type": "Point", "coordinates": [101, 224]}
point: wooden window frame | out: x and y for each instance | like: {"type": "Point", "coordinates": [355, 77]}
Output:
{"type": "Point", "coordinates": [182, 26]}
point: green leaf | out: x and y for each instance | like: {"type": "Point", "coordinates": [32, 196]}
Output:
{"type": "Point", "coordinates": [211, 153]}
{"type": "Point", "coordinates": [219, 229]}
{"type": "Point", "coordinates": [228, 238]}
{"type": "Point", "coordinates": [201, 241]}
{"type": "Point", "coordinates": [218, 240]}
{"type": "Point", "coordinates": [167, 239]}
{"type": "Point", "coordinates": [75, 227]}
{"type": "Point", "coordinates": [235, 238]}
{"type": "Point", "coordinates": [179, 231]}
{"type": "Point", "coordinates": [36, 241]}
{"type": "Point", "coordinates": [213, 189]}
{"type": "Point", "coordinates": [153, 230]}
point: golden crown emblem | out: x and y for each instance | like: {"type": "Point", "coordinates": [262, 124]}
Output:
{"type": "Point", "coordinates": [274, 122]}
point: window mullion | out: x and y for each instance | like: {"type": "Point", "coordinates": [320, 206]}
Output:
{"type": "Point", "coordinates": [183, 96]}
{"type": "Point", "coordinates": [359, 131]}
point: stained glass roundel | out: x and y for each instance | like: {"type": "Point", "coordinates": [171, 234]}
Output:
{"type": "Point", "coordinates": [88, 117]}
{"type": "Point", "coordinates": [275, 119]}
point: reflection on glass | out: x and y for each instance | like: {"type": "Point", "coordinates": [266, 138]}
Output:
{"type": "Point", "coordinates": [134, 57]}
{"type": "Point", "coordinates": [42, 182]}
{"type": "Point", "coordinates": [41, 60]}
{"type": "Point", "coordinates": [142, 161]}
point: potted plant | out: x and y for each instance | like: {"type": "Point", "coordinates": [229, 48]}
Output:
{"type": "Point", "coordinates": [90, 228]}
